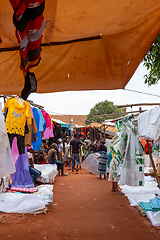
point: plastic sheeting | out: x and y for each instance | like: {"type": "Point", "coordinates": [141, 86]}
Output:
{"type": "Point", "coordinates": [91, 163]}
{"type": "Point", "coordinates": [143, 194]}
{"type": "Point", "coordinates": [26, 203]}
{"type": "Point", "coordinates": [105, 62]}
{"type": "Point", "coordinates": [48, 172]}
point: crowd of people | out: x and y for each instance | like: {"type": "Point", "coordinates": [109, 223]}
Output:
{"type": "Point", "coordinates": [70, 153]}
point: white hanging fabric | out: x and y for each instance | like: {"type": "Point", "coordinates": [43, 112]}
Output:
{"type": "Point", "coordinates": [7, 165]}
{"type": "Point", "coordinates": [149, 124]}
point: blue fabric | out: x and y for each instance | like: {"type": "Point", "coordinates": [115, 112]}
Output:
{"type": "Point", "coordinates": [155, 203]}
{"type": "Point", "coordinates": [109, 159]}
{"type": "Point", "coordinates": [41, 126]}
{"type": "Point", "coordinates": [147, 206]}
{"type": "Point", "coordinates": [22, 177]}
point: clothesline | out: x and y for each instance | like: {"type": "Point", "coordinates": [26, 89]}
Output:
{"type": "Point", "coordinates": [31, 102]}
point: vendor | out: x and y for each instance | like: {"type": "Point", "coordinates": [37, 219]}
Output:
{"type": "Point", "coordinates": [33, 171]}
{"type": "Point", "coordinates": [52, 158]}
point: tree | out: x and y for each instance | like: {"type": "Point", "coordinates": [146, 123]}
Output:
{"type": "Point", "coordinates": [152, 62]}
{"type": "Point", "coordinates": [102, 108]}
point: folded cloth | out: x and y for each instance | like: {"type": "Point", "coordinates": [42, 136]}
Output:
{"type": "Point", "coordinates": [24, 190]}
{"type": "Point", "coordinates": [147, 206]}
{"type": "Point", "coordinates": [155, 203]}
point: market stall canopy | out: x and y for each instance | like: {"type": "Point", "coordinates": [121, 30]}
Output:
{"type": "Point", "coordinates": [113, 131]}
{"type": "Point", "coordinates": [108, 123]}
{"type": "Point", "coordinates": [63, 124]}
{"type": "Point", "coordinates": [87, 45]}
{"type": "Point", "coordinates": [98, 125]}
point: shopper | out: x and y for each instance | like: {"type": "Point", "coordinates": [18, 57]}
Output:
{"type": "Point", "coordinates": [75, 144]}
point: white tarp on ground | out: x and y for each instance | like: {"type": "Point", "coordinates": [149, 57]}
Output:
{"type": "Point", "coordinates": [48, 172]}
{"type": "Point", "coordinates": [143, 194]}
{"type": "Point", "coordinates": [26, 202]}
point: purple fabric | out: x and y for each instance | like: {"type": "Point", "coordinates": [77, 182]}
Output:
{"type": "Point", "coordinates": [22, 177]}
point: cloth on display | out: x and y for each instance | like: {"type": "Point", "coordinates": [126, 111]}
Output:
{"type": "Point", "coordinates": [155, 203]}
{"type": "Point", "coordinates": [147, 206]}
{"type": "Point", "coordinates": [41, 126]}
{"type": "Point", "coordinates": [32, 131]}
{"type": "Point", "coordinates": [7, 165]}
{"type": "Point", "coordinates": [48, 133]}
{"type": "Point", "coordinates": [29, 22]}
{"type": "Point", "coordinates": [127, 164]}
{"type": "Point", "coordinates": [17, 114]}
{"type": "Point", "coordinates": [22, 177]}
{"type": "Point", "coordinates": [23, 189]}
{"type": "Point", "coordinates": [20, 142]}
{"type": "Point", "coordinates": [149, 124]}
{"type": "Point", "coordinates": [30, 85]}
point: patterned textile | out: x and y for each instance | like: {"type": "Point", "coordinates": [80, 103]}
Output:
{"type": "Point", "coordinates": [29, 23]}
{"type": "Point", "coordinates": [128, 163]}
{"type": "Point", "coordinates": [114, 171]}
{"type": "Point", "coordinates": [102, 162]}
{"type": "Point", "coordinates": [24, 190]}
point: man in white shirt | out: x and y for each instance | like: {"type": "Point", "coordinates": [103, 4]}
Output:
{"type": "Point", "coordinates": [60, 149]}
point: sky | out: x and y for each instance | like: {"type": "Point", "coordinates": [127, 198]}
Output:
{"type": "Point", "coordinates": [80, 102]}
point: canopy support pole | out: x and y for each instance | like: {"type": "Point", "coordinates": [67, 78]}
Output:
{"type": "Point", "coordinates": [153, 165]}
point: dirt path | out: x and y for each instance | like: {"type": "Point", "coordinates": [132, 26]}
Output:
{"type": "Point", "coordinates": [84, 208]}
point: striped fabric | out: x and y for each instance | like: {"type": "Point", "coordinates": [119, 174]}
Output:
{"type": "Point", "coordinates": [24, 190]}
{"type": "Point", "coordinates": [102, 162]}
{"type": "Point", "coordinates": [29, 22]}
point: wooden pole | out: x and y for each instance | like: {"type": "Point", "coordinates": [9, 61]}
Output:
{"type": "Point", "coordinates": [152, 162]}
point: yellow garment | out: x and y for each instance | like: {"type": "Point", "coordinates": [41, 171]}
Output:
{"type": "Point", "coordinates": [28, 136]}
{"type": "Point", "coordinates": [52, 126]}
{"type": "Point", "coordinates": [18, 112]}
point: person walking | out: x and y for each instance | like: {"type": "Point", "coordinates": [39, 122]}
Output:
{"type": "Point", "coordinates": [75, 144]}
{"type": "Point", "coordinates": [102, 160]}
{"type": "Point", "coordinates": [60, 150]}
{"type": "Point", "coordinates": [66, 152]}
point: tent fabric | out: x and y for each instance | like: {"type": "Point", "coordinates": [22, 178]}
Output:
{"type": "Point", "coordinates": [123, 31]}
{"type": "Point", "coordinates": [63, 124]}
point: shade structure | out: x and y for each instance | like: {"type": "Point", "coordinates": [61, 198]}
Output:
{"type": "Point", "coordinates": [63, 124]}
{"type": "Point", "coordinates": [87, 45]}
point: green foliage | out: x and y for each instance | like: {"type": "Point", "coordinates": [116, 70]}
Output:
{"type": "Point", "coordinates": [102, 108]}
{"type": "Point", "coordinates": [152, 62]}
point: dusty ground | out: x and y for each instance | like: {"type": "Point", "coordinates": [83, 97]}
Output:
{"type": "Point", "coordinates": [83, 208]}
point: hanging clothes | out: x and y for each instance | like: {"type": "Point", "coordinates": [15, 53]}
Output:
{"type": "Point", "coordinates": [48, 133]}
{"type": "Point", "coordinates": [29, 23]}
{"type": "Point", "coordinates": [7, 165]}
{"type": "Point", "coordinates": [17, 113]}
{"type": "Point", "coordinates": [149, 124]}
{"type": "Point", "coordinates": [32, 131]}
{"type": "Point", "coordinates": [41, 126]}
{"type": "Point", "coordinates": [22, 177]}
